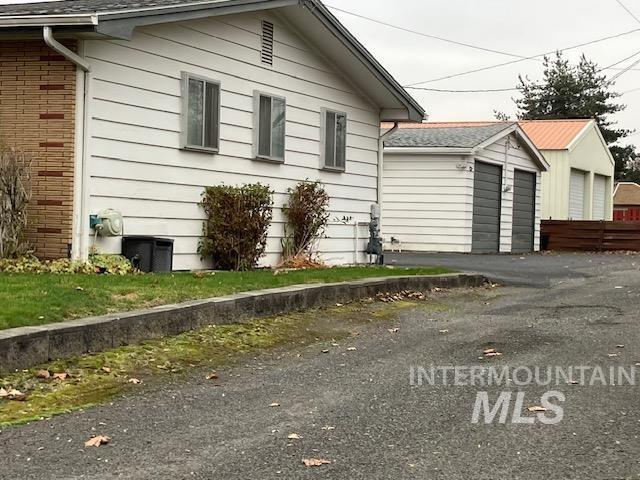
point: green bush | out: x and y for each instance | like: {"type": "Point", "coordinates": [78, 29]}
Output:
{"type": "Point", "coordinates": [307, 218]}
{"type": "Point", "coordinates": [236, 227]}
{"type": "Point", "coordinates": [97, 264]}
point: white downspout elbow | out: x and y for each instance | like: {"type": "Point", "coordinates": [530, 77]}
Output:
{"type": "Point", "coordinates": [47, 35]}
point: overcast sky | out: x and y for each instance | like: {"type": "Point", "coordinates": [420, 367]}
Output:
{"type": "Point", "coordinates": [516, 26]}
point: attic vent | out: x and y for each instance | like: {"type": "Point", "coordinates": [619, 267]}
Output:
{"type": "Point", "coordinates": [266, 54]}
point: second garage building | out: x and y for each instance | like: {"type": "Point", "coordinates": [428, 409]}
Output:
{"type": "Point", "coordinates": [462, 187]}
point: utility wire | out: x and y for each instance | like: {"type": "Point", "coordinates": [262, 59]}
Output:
{"type": "Point", "coordinates": [427, 35]}
{"type": "Point", "coordinates": [490, 67]}
{"type": "Point", "coordinates": [619, 74]}
{"type": "Point", "coordinates": [628, 11]}
{"type": "Point", "coordinates": [487, 90]}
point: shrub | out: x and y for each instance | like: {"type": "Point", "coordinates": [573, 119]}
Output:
{"type": "Point", "coordinates": [307, 217]}
{"type": "Point", "coordinates": [103, 264]}
{"type": "Point", "coordinates": [238, 220]}
{"type": "Point", "coordinates": [15, 194]}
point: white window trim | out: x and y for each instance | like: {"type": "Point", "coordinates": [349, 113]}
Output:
{"type": "Point", "coordinates": [256, 126]}
{"type": "Point", "coordinates": [184, 117]}
{"type": "Point", "coordinates": [323, 141]}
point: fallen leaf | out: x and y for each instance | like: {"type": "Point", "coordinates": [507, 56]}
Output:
{"type": "Point", "coordinates": [393, 330]}
{"type": "Point", "coordinates": [325, 351]}
{"type": "Point", "coordinates": [106, 369]}
{"type": "Point", "coordinates": [135, 381]}
{"type": "Point", "coordinates": [16, 395]}
{"type": "Point", "coordinates": [274, 404]}
{"type": "Point", "coordinates": [294, 436]}
{"type": "Point", "coordinates": [537, 408]}
{"type": "Point", "coordinates": [494, 354]}
{"type": "Point", "coordinates": [212, 376]}
{"type": "Point", "coordinates": [443, 331]}
{"type": "Point", "coordinates": [97, 441]}
{"type": "Point", "coordinates": [613, 355]}
{"type": "Point", "coordinates": [80, 289]}
{"type": "Point", "coordinates": [351, 349]}
{"type": "Point", "coordinates": [619, 346]}
{"type": "Point", "coordinates": [339, 305]}
{"type": "Point", "coordinates": [315, 462]}
{"type": "Point", "coordinates": [3, 393]}
{"type": "Point", "coordinates": [489, 350]}
{"type": "Point", "coordinates": [43, 374]}
{"type": "Point", "coordinates": [60, 376]}
{"type": "Point", "coordinates": [328, 428]}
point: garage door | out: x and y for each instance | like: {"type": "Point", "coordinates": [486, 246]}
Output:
{"type": "Point", "coordinates": [487, 189]}
{"type": "Point", "coordinates": [524, 212]}
{"type": "Point", "coordinates": [576, 195]}
{"type": "Point", "coordinates": [599, 197]}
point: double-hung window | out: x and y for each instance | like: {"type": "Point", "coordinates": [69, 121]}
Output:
{"type": "Point", "coordinates": [200, 113]}
{"type": "Point", "coordinates": [269, 131]}
{"type": "Point", "coordinates": [334, 140]}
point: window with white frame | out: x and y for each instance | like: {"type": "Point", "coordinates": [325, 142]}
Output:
{"type": "Point", "coordinates": [270, 121]}
{"type": "Point", "coordinates": [334, 145]}
{"type": "Point", "coordinates": [200, 113]}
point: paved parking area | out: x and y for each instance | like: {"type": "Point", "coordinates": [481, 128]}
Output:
{"type": "Point", "coordinates": [539, 269]}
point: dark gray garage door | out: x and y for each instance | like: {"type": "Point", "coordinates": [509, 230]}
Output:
{"type": "Point", "coordinates": [524, 212]}
{"type": "Point", "coordinates": [487, 190]}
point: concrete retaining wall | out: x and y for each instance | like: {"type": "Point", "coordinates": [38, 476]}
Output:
{"type": "Point", "coordinates": [28, 346]}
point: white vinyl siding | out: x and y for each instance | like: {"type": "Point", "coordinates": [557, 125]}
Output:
{"type": "Point", "coordinates": [428, 198]}
{"type": "Point", "coordinates": [576, 195]}
{"type": "Point", "coordinates": [201, 113]}
{"type": "Point", "coordinates": [334, 140]}
{"type": "Point", "coordinates": [136, 164]}
{"type": "Point", "coordinates": [599, 197]}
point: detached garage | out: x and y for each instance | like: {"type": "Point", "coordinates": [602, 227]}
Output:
{"type": "Point", "coordinates": [462, 187]}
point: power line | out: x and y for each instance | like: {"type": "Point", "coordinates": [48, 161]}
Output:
{"type": "Point", "coordinates": [490, 67]}
{"type": "Point", "coordinates": [427, 35]}
{"type": "Point", "coordinates": [619, 74]}
{"type": "Point", "coordinates": [441, 90]}
{"type": "Point", "coordinates": [619, 62]}
{"type": "Point", "coordinates": [628, 11]}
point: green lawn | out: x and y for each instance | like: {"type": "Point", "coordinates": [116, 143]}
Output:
{"type": "Point", "coordinates": [36, 299]}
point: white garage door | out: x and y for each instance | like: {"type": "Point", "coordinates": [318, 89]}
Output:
{"type": "Point", "coordinates": [576, 195]}
{"type": "Point", "coordinates": [599, 197]}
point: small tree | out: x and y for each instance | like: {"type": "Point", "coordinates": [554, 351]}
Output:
{"type": "Point", "coordinates": [15, 195]}
{"type": "Point", "coordinates": [238, 220]}
{"type": "Point", "coordinates": [307, 218]}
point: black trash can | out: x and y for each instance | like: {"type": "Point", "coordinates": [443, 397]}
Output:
{"type": "Point", "coordinates": [149, 254]}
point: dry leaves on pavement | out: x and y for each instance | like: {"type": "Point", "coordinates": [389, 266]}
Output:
{"type": "Point", "coordinates": [315, 462]}
{"type": "Point", "coordinates": [537, 408]}
{"type": "Point", "coordinates": [97, 441]}
{"type": "Point", "coordinates": [274, 404]}
{"type": "Point", "coordinates": [135, 381]}
{"type": "Point", "coordinates": [212, 376]}
{"type": "Point", "coordinates": [491, 352]}
{"type": "Point", "coordinates": [294, 436]}
{"type": "Point", "coordinates": [43, 374]}
{"type": "Point", "coordinates": [60, 376]}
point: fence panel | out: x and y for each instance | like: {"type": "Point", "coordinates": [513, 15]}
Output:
{"type": "Point", "coordinates": [590, 235]}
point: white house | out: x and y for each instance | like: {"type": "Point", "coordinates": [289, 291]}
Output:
{"type": "Point", "coordinates": [172, 96]}
{"type": "Point", "coordinates": [462, 187]}
{"type": "Point", "coordinates": [579, 183]}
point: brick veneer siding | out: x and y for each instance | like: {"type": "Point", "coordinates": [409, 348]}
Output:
{"type": "Point", "coordinates": [37, 114]}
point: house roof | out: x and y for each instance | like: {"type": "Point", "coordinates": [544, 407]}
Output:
{"type": "Point", "coordinates": [626, 193]}
{"type": "Point", "coordinates": [119, 18]}
{"type": "Point", "coordinates": [459, 138]}
{"type": "Point", "coordinates": [467, 136]}
{"type": "Point", "coordinates": [554, 134]}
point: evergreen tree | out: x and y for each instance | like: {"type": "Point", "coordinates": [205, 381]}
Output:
{"type": "Point", "coordinates": [570, 91]}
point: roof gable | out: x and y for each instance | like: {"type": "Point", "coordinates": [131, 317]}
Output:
{"type": "Point", "coordinates": [554, 134]}
{"type": "Point", "coordinates": [627, 193]}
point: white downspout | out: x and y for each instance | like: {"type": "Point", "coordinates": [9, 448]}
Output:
{"type": "Point", "coordinates": [80, 238]}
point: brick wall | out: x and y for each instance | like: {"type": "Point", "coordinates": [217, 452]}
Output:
{"type": "Point", "coordinates": [37, 114]}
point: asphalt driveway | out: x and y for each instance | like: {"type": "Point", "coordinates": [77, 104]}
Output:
{"type": "Point", "coordinates": [355, 406]}
{"type": "Point", "coordinates": [539, 269]}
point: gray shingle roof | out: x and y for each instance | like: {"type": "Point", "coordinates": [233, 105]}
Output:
{"type": "Point", "coordinates": [445, 137]}
{"type": "Point", "coordinates": [86, 6]}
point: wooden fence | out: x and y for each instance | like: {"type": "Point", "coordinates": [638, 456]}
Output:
{"type": "Point", "coordinates": [590, 236]}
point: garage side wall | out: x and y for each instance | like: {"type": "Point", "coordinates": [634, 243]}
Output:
{"type": "Point", "coordinates": [555, 186]}
{"type": "Point", "coordinates": [428, 202]}
{"type": "Point", "coordinates": [512, 157]}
